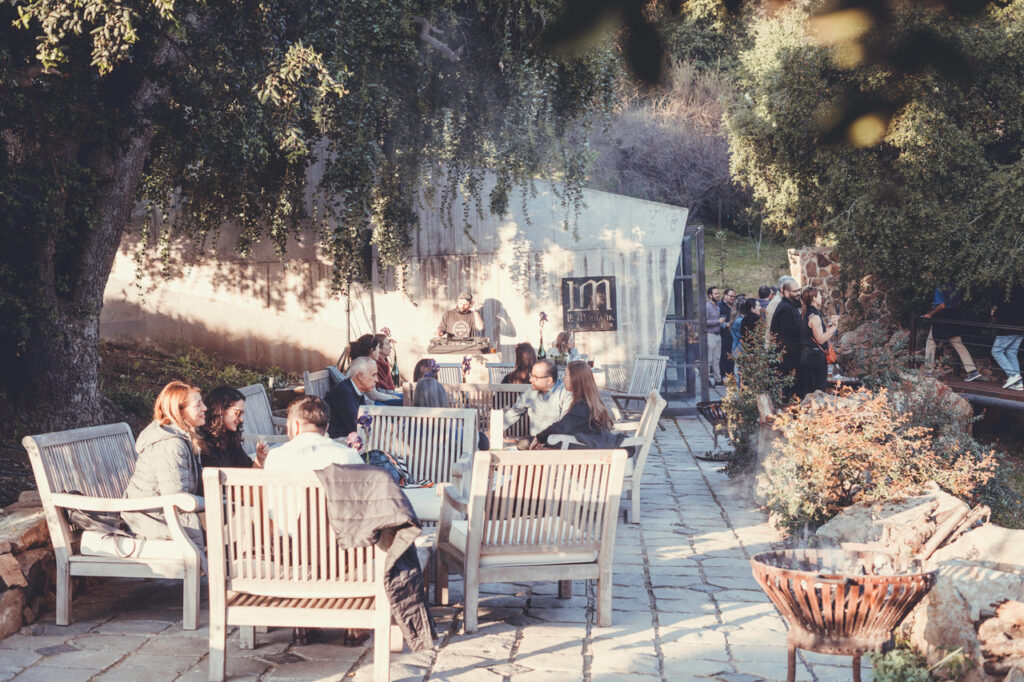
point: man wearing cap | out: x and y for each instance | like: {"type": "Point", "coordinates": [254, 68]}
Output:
{"type": "Point", "coordinates": [462, 321]}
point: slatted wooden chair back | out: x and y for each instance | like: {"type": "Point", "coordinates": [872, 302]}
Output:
{"type": "Point", "coordinates": [648, 374]}
{"type": "Point", "coordinates": [97, 461]}
{"type": "Point", "coordinates": [496, 371]}
{"type": "Point", "coordinates": [644, 440]}
{"type": "Point", "coordinates": [259, 419]}
{"type": "Point", "coordinates": [275, 560]}
{"type": "Point", "coordinates": [553, 502]}
{"type": "Point", "coordinates": [483, 398]}
{"type": "Point", "coordinates": [316, 383]}
{"type": "Point", "coordinates": [430, 439]}
{"type": "Point", "coordinates": [505, 396]}
{"type": "Point", "coordinates": [449, 372]}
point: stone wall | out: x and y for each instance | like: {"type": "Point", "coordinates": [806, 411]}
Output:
{"type": "Point", "coordinates": [27, 569]}
{"type": "Point", "coordinates": [817, 266]}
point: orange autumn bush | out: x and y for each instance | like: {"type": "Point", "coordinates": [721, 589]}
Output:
{"type": "Point", "coordinates": [858, 447]}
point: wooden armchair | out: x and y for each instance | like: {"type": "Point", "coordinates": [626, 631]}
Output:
{"type": "Point", "coordinates": [648, 375]}
{"type": "Point", "coordinates": [260, 422]}
{"type": "Point", "coordinates": [532, 516]}
{"type": "Point", "coordinates": [98, 462]}
{"type": "Point", "coordinates": [261, 575]}
{"type": "Point", "coordinates": [316, 383]}
{"type": "Point", "coordinates": [496, 371]}
{"type": "Point", "coordinates": [484, 398]}
{"type": "Point", "coordinates": [431, 439]}
{"type": "Point", "coordinates": [642, 439]}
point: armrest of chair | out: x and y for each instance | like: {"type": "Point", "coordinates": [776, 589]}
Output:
{"type": "Point", "coordinates": [631, 441]}
{"type": "Point", "coordinates": [279, 422]}
{"type": "Point", "coordinates": [562, 439]}
{"type": "Point", "coordinates": [183, 501]}
{"type": "Point", "coordinates": [626, 426]}
{"type": "Point", "coordinates": [626, 398]}
{"type": "Point", "coordinates": [451, 498]}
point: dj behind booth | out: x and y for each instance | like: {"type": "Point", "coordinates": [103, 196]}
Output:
{"type": "Point", "coordinates": [459, 335]}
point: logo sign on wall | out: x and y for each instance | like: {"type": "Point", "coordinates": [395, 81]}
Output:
{"type": "Point", "coordinates": [588, 304]}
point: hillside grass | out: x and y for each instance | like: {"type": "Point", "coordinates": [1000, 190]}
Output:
{"type": "Point", "coordinates": [745, 269]}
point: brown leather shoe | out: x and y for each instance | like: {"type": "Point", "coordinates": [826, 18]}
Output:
{"type": "Point", "coordinates": [304, 636]}
{"type": "Point", "coordinates": [354, 637]}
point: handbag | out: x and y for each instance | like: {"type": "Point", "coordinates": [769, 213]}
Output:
{"type": "Point", "coordinates": [831, 357]}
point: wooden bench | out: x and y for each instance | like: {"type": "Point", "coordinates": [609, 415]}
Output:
{"type": "Point", "coordinates": [532, 516]}
{"type": "Point", "coordinates": [430, 439]}
{"type": "Point", "coordinates": [262, 576]}
{"type": "Point", "coordinates": [98, 462]}
{"type": "Point", "coordinates": [483, 398]}
{"type": "Point", "coordinates": [316, 383]}
{"type": "Point", "coordinates": [260, 422]}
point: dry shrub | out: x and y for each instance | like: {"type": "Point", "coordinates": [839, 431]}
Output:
{"type": "Point", "coordinates": [860, 448]}
{"type": "Point", "coordinates": [670, 146]}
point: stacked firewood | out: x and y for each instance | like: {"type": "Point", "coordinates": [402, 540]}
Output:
{"type": "Point", "coordinates": [1001, 634]}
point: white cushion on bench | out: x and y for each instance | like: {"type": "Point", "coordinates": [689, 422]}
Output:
{"type": "Point", "coordinates": [457, 537]}
{"type": "Point", "coordinates": [96, 543]}
{"type": "Point", "coordinates": [425, 502]}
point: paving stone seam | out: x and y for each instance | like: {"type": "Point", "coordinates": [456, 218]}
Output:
{"type": "Point", "coordinates": [453, 630]}
{"type": "Point", "coordinates": [655, 623]}
{"type": "Point", "coordinates": [513, 651]}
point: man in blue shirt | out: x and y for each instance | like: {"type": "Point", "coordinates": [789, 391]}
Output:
{"type": "Point", "coordinates": [545, 402]}
{"type": "Point", "coordinates": [945, 312]}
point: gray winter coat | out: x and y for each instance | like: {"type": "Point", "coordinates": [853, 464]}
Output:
{"type": "Point", "coordinates": [167, 464]}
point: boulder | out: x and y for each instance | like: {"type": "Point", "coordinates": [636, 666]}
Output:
{"type": "Point", "coordinates": [12, 603]}
{"type": "Point", "coordinates": [896, 526]}
{"type": "Point", "coordinates": [23, 527]}
{"type": "Point", "coordinates": [980, 569]}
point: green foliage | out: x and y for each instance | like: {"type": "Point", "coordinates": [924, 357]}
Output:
{"type": "Point", "coordinates": [882, 360]}
{"type": "Point", "coordinates": [757, 367]}
{"type": "Point", "coordinates": [904, 664]}
{"type": "Point", "coordinates": [928, 200]}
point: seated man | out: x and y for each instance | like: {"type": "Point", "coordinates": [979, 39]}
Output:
{"type": "Point", "coordinates": [308, 448]}
{"type": "Point", "coordinates": [462, 321]}
{"type": "Point", "coordinates": [546, 401]}
{"type": "Point", "coordinates": [346, 397]}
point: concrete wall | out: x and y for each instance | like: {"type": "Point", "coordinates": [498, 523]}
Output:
{"type": "Point", "coordinates": [270, 311]}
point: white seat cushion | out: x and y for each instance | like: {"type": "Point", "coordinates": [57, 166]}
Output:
{"type": "Point", "coordinates": [458, 538]}
{"type": "Point", "coordinates": [96, 543]}
{"type": "Point", "coordinates": [425, 502]}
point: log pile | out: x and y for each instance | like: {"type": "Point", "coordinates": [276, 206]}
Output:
{"type": "Point", "coordinates": [1001, 634]}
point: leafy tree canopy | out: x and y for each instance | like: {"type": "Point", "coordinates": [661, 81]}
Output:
{"type": "Point", "coordinates": [216, 112]}
{"type": "Point", "coordinates": [911, 164]}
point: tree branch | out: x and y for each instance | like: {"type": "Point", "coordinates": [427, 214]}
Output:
{"type": "Point", "coordinates": [426, 30]}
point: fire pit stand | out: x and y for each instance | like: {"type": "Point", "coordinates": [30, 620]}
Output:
{"type": "Point", "coordinates": [840, 602]}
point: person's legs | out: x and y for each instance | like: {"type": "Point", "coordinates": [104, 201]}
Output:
{"type": "Point", "coordinates": [1000, 348]}
{"type": "Point", "coordinates": [1012, 352]}
{"type": "Point", "coordinates": [714, 356]}
{"type": "Point", "coordinates": [725, 363]}
{"type": "Point", "coordinates": [929, 351]}
{"type": "Point", "coordinates": [965, 356]}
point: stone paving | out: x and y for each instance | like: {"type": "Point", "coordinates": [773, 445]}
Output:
{"type": "Point", "coordinates": [685, 607]}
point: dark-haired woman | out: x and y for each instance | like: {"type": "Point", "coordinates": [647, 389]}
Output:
{"type": "Point", "coordinates": [220, 438]}
{"type": "Point", "coordinates": [815, 334]}
{"type": "Point", "coordinates": [587, 419]}
{"type": "Point", "coordinates": [526, 357]}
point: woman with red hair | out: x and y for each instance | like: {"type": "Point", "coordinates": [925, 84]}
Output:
{"type": "Point", "coordinates": [168, 461]}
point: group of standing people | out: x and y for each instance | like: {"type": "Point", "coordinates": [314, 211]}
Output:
{"type": "Point", "coordinates": [791, 315]}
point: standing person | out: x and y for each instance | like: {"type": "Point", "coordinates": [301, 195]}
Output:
{"type": "Point", "coordinates": [1007, 342]}
{"type": "Point", "coordinates": [714, 333]}
{"type": "Point", "coordinates": [946, 312]}
{"type": "Point", "coordinates": [463, 321]}
{"type": "Point", "coordinates": [745, 323]}
{"type": "Point", "coordinates": [345, 398]}
{"type": "Point", "coordinates": [587, 418]}
{"type": "Point", "coordinates": [725, 311]}
{"type": "Point", "coordinates": [168, 462]}
{"type": "Point", "coordinates": [526, 356]}
{"type": "Point", "coordinates": [220, 438]}
{"type": "Point", "coordinates": [815, 337]}
{"type": "Point", "coordinates": [773, 304]}
{"type": "Point", "coordinates": [545, 402]}
{"type": "Point", "coordinates": [764, 294]}
{"type": "Point", "coordinates": [786, 324]}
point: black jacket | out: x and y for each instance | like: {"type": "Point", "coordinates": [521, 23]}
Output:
{"type": "Point", "coordinates": [786, 326]}
{"type": "Point", "coordinates": [344, 402]}
{"type": "Point", "coordinates": [365, 506]}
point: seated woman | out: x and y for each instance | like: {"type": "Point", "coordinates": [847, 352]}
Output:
{"type": "Point", "coordinates": [526, 357]}
{"type": "Point", "coordinates": [565, 346]}
{"type": "Point", "coordinates": [385, 380]}
{"type": "Point", "coordinates": [426, 367]}
{"type": "Point", "coordinates": [430, 393]}
{"type": "Point", "coordinates": [220, 438]}
{"type": "Point", "coordinates": [168, 461]}
{"type": "Point", "coordinates": [587, 419]}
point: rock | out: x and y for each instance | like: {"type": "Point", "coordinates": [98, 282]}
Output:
{"type": "Point", "coordinates": [12, 603]}
{"type": "Point", "coordinates": [989, 543]}
{"type": "Point", "coordinates": [10, 572]}
{"type": "Point", "coordinates": [29, 497]}
{"type": "Point", "coordinates": [896, 526]}
{"type": "Point", "coordinates": [920, 394]}
{"type": "Point", "coordinates": [39, 567]}
{"type": "Point", "coordinates": [869, 335]}
{"type": "Point", "coordinates": [25, 528]}
{"type": "Point", "coordinates": [945, 620]}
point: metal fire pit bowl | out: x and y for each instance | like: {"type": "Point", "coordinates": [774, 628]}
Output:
{"type": "Point", "coordinates": [838, 601]}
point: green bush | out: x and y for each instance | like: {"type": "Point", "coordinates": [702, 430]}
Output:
{"type": "Point", "coordinates": [757, 367]}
